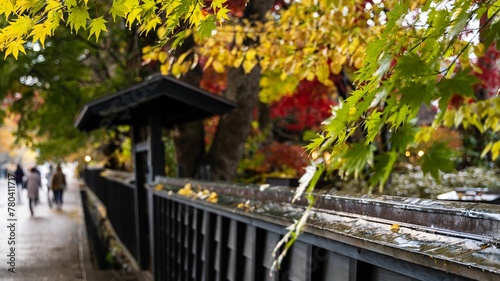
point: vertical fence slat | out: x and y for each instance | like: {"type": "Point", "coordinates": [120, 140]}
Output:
{"type": "Point", "coordinates": [159, 233]}
{"type": "Point", "coordinates": [179, 241]}
{"type": "Point", "coordinates": [271, 241]}
{"type": "Point", "coordinates": [232, 245]}
{"type": "Point", "coordinates": [198, 244]}
{"type": "Point", "coordinates": [208, 231]}
{"type": "Point", "coordinates": [340, 267]}
{"type": "Point", "coordinates": [172, 238]}
{"type": "Point", "coordinates": [168, 249]}
{"type": "Point", "coordinates": [249, 253]}
{"type": "Point", "coordinates": [300, 262]}
{"type": "Point", "coordinates": [218, 248]}
{"type": "Point", "coordinates": [187, 261]}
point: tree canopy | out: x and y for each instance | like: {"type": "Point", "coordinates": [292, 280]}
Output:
{"type": "Point", "coordinates": [35, 21]}
{"type": "Point", "coordinates": [405, 54]}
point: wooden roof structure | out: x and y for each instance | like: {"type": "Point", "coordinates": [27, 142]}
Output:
{"type": "Point", "coordinates": [149, 107]}
{"type": "Point", "coordinates": [173, 101]}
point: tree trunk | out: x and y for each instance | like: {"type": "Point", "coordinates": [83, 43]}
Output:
{"type": "Point", "coordinates": [234, 127]}
{"type": "Point", "coordinates": [189, 138]}
{"type": "Point", "coordinates": [189, 148]}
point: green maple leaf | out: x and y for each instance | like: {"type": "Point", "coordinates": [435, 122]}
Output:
{"type": "Point", "coordinates": [315, 143]}
{"type": "Point", "coordinates": [179, 38]}
{"type": "Point", "coordinates": [206, 27]}
{"type": "Point", "coordinates": [78, 17]}
{"type": "Point", "coordinates": [149, 5]}
{"type": "Point", "coordinates": [461, 18]}
{"type": "Point", "coordinates": [415, 94]}
{"type": "Point", "coordinates": [410, 65]}
{"type": "Point", "coordinates": [403, 137]}
{"type": "Point", "coordinates": [373, 125]}
{"type": "Point", "coordinates": [394, 15]}
{"type": "Point", "coordinates": [460, 84]}
{"type": "Point", "coordinates": [119, 9]}
{"type": "Point", "coordinates": [70, 3]}
{"type": "Point", "coordinates": [150, 24]}
{"type": "Point", "coordinates": [438, 158]}
{"type": "Point", "coordinates": [97, 26]}
{"type": "Point", "coordinates": [357, 157]}
{"type": "Point", "coordinates": [383, 168]}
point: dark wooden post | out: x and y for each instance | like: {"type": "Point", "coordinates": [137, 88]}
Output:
{"type": "Point", "coordinates": [140, 152]}
{"type": "Point", "coordinates": [149, 158]}
{"type": "Point", "coordinates": [156, 157]}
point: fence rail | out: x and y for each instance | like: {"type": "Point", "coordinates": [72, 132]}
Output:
{"type": "Point", "coordinates": [115, 190]}
{"type": "Point", "coordinates": [347, 238]}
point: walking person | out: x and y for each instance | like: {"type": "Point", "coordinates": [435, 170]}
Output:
{"type": "Point", "coordinates": [48, 176]}
{"type": "Point", "coordinates": [33, 184]}
{"type": "Point", "coordinates": [19, 175]}
{"type": "Point", "coordinates": [58, 185]}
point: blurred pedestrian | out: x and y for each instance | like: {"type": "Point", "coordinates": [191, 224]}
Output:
{"type": "Point", "coordinates": [19, 175]}
{"type": "Point", "coordinates": [33, 184]}
{"type": "Point", "coordinates": [48, 176]}
{"type": "Point", "coordinates": [58, 185]}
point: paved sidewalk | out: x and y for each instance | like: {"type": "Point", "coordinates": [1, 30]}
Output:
{"type": "Point", "coordinates": [49, 246]}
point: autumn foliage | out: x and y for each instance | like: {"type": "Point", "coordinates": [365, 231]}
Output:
{"type": "Point", "coordinates": [305, 109]}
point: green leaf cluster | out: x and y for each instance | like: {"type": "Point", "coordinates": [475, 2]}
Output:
{"type": "Point", "coordinates": [424, 54]}
{"type": "Point", "coordinates": [23, 21]}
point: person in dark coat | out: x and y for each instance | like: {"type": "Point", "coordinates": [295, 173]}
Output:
{"type": "Point", "coordinates": [58, 185]}
{"type": "Point", "coordinates": [33, 184]}
{"type": "Point", "coordinates": [19, 175]}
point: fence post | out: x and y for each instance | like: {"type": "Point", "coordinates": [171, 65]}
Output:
{"type": "Point", "coordinates": [140, 198]}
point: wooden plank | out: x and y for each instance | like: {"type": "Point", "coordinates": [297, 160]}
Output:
{"type": "Point", "coordinates": [208, 247]}
{"type": "Point", "coordinates": [140, 210]}
{"type": "Point", "coordinates": [218, 248]}
{"type": "Point", "coordinates": [179, 241]}
{"type": "Point", "coordinates": [196, 245]}
{"type": "Point", "coordinates": [270, 242]}
{"type": "Point", "coordinates": [156, 158]}
{"type": "Point", "coordinates": [166, 235]}
{"type": "Point", "coordinates": [232, 245]}
{"type": "Point", "coordinates": [340, 268]}
{"type": "Point", "coordinates": [153, 230]}
{"type": "Point", "coordinates": [249, 253]}
{"type": "Point", "coordinates": [300, 262]}
{"type": "Point", "coordinates": [172, 238]}
{"type": "Point", "coordinates": [188, 233]}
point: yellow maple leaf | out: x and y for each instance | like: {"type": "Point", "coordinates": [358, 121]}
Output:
{"type": "Point", "coordinates": [249, 65]}
{"type": "Point", "coordinates": [186, 190]}
{"type": "Point", "coordinates": [14, 48]}
{"type": "Point", "coordinates": [7, 7]}
{"type": "Point", "coordinates": [40, 32]}
{"type": "Point", "coordinates": [96, 26]}
{"type": "Point", "coordinates": [213, 197]}
{"type": "Point", "coordinates": [217, 66]}
{"type": "Point", "coordinates": [395, 227]}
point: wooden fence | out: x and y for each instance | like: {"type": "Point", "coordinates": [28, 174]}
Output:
{"type": "Point", "coordinates": [348, 237]}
